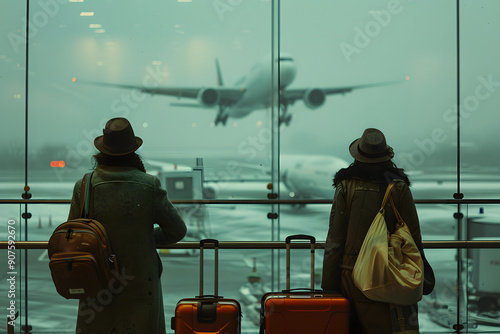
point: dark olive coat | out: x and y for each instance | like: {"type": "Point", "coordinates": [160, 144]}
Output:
{"type": "Point", "coordinates": [347, 231]}
{"type": "Point", "coordinates": [128, 203]}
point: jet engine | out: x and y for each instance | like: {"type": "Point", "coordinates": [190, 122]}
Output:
{"type": "Point", "coordinates": [209, 192]}
{"type": "Point", "coordinates": [314, 98]}
{"type": "Point", "coordinates": [209, 97]}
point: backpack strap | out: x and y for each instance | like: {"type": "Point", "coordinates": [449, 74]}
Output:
{"type": "Point", "coordinates": [85, 194]}
{"type": "Point", "coordinates": [397, 214]}
{"type": "Point", "coordinates": [387, 195]}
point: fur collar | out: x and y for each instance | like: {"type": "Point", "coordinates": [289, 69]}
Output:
{"type": "Point", "coordinates": [372, 173]}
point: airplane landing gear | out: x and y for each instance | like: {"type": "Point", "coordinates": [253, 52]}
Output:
{"type": "Point", "coordinates": [221, 118]}
{"type": "Point", "coordinates": [284, 117]}
{"type": "Point", "coordinates": [286, 120]}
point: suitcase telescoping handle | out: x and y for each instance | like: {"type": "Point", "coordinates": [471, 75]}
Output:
{"type": "Point", "coordinates": [288, 241]}
{"type": "Point", "coordinates": [216, 265]}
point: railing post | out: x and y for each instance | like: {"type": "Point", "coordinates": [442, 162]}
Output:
{"type": "Point", "coordinates": [10, 323]}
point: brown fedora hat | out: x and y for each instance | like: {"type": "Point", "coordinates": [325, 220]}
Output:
{"type": "Point", "coordinates": [371, 147]}
{"type": "Point", "coordinates": [118, 138]}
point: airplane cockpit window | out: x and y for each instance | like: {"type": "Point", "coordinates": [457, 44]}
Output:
{"type": "Point", "coordinates": [246, 149]}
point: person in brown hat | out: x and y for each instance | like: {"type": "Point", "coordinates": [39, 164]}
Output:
{"type": "Point", "coordinates": [359, 191]}
{"type": "Point", "coordinates": [128, 202]}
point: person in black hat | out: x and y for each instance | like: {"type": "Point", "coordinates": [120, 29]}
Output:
{"type": "Point", "coordinates": [128, 202]}
{"type": "Point", "coordinates": [359, 191]}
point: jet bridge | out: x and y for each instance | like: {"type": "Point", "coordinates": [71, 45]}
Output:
{"type": "Point", "coordinates": [182, 185]}
{"type": "Point", "coordinates": [484, 270]}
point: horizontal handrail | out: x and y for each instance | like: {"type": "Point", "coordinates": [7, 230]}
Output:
{"type": "Point", "coordinates": [261, 201]}
{"type": "Point", "coordinates": [442, 244]}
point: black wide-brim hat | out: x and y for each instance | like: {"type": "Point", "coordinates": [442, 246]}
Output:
{"type": "Point", "coordinates": [118, 138]}
{"type": "Point", "coordinates": [371, 147]}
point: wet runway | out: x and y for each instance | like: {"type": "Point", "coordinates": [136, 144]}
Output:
{"type": "Point", "coordinates": [50, 313]}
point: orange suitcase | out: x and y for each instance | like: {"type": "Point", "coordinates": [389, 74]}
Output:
{"type": "Point", "coordinates": [207, 313]}
{"type": "Point", "coordinates": [301, 311]}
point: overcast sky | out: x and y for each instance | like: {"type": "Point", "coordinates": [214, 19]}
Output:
{"type": "Point", "coordinates": [333, 43]}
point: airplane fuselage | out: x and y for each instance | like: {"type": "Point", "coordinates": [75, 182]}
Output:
{"type": "Point", "coordinates": [259, 86]}
{"type": "Point", "coordinates": [310, 176]}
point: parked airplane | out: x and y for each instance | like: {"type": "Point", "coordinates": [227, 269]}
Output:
{"type": "Point", "coordinates": [310, 176]}
{"type": "Point", "coordinates": [302, 177]}
{"type": "Point", "coordinates": [253, 91]}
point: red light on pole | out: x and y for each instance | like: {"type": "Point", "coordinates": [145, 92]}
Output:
{"type": "Point", "coordinates": [59, 164]}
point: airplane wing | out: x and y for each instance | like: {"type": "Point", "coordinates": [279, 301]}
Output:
{"type": "Point", "coordinates": [207, 96]}
{"type": "Point", "coordinates": [314, 97]}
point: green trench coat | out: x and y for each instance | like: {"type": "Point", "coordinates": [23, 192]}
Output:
{"type": "Point", "coordinates": [346, 233]}
{"type": "Point", "coordinates": [128, 203]}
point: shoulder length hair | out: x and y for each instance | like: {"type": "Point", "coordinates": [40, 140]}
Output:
{"type": "Point", "coordinates": [128, 160]}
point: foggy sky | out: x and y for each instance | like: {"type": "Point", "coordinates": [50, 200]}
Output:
{"type": "Point", "coordinates": [334, 43]}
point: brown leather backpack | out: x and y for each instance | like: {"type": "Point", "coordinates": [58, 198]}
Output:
{"type": "Point", "coordinates": [81, 259]}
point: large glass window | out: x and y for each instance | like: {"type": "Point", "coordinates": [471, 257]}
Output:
{"type": "Point", "coordinates": [479, 98]}
{"type": "Point", "coordinates": [255, 100]}
{"type": "Point", "coordinates": [12, 83]}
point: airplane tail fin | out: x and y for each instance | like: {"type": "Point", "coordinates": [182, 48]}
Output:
{"type": "Point", "coordinates": [219, 75]}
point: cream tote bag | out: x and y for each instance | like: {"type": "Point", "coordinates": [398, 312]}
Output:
{"type": "Point", "coordinates": [389, 267]}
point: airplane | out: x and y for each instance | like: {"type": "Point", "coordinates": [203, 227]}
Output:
{"type": "Point", "coordinates": [253, 91]}
{"type": "Point", "coordinates": [302, 177]}
{"type": "Point", "coordinates": [310, 176]}
{"type": "Point", "coordinates": [305, 176]}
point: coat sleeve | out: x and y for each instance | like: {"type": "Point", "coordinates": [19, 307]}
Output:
{"type": "Point", "coordinates": [172, 227]}
{"type": "Point", "coordinates": [335, 241]}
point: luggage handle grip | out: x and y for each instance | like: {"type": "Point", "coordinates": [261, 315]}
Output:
{"type": "Point", "coordinates": [216, 264]}
{"type": "Point", "coordinates": [289, 239]}
{"type": "Point", "coordinates": [303, 289]}
{"type": "Point", "coordinates": [210, 296]}
{"type": "Point", "coordinates": [209, 241]}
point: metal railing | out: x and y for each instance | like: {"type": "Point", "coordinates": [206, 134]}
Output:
{"type": "Point", "coordinates": [261, 201]}
{"type": "Point", "coordinates": [276, 245]}
{"type": "Point", "coordinates": [445, 244]}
